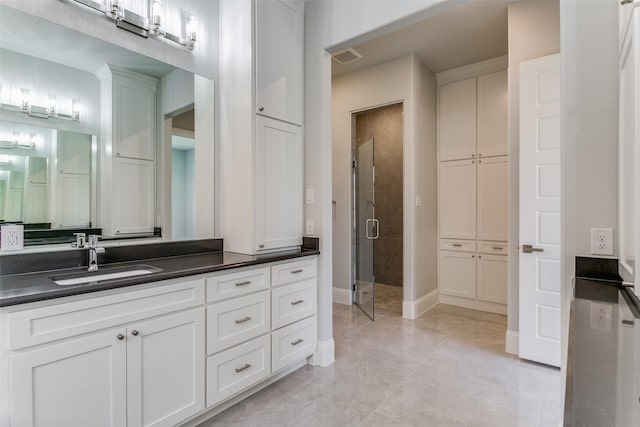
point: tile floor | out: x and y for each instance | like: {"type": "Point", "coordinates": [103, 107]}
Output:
{"type": "Point", "coordinates": [446, 368]}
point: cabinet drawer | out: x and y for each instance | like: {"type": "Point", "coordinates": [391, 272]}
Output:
{"type": "Point", "coordinates": [458, 245]}
{"type": "Point", "coordinates": [499, 248]}
{"type": "Point", "coordinates": [235, 284]}
{"type": "Point", "coordinates": [241, 319]}
{"type": "Point", "coordinates": [45, 324]}
{"type": "Point", "coordinates": [237, 369]}
{"type": "Point", "coordinates": [293, 302]}
{"type": "Point", "coordinates": [292, 343]}
{"type": "Point", "coordinates": [290, 272]}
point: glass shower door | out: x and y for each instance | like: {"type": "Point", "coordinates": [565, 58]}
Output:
{"type": "Point", "coordinates": [365, 227]}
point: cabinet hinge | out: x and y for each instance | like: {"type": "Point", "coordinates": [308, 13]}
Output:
{"type": "Point", "coordinates": [354, 163]}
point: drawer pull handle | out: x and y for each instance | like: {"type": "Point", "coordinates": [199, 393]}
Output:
{"type": "Point", "coordinates": [246, 319]}
{"type": "Point", "coordinates": [497, 248]}
{"type": "Point", "coordinates": [297, 271]}
{"type": "Point", "coordinates": [623, 2]}
{"type": "Point", "coordinates": [456, 245]}
{"type": "Point", "coordinates": [628, 322]}
{"type": "Point", "coordinates": [245, 367]}
{"type": "Point", "coordinates": [300, 301]}
{"type": "Point", "coordinates": [298, 341]}
{"type": "Point", "coordinates": [246, 282]}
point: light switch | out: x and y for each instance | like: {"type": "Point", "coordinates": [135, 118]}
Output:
{"type": "Point", "coordinates": [309, 197]}
{"type": "Point", "coordinates": [418, 201]}
{"type": "Point", "coordinates": [309, 228]}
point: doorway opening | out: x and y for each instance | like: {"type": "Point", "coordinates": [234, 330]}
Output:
{"type": "Point", "coordinates": [183, 207]}
{"type": "Point", "coordinates": [377, 187]}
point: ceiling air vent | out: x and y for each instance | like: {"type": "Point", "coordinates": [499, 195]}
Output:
{"type": "Point", "coordinates": [346, 56]}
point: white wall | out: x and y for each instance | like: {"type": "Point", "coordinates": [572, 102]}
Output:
{"type": "Point", "coordinates": [589, 56]}
{"type": "Point", "coordinates": [534, 31]}
{"type": "Point", "coordinates": [404, 80]}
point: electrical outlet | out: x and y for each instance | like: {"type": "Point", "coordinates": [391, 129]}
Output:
{"type": "Point", "coordinates": [602, 241]}
{"type": "Point", "coordinates": [310, 230]}
{"type": "Point", "coordinates": [601, 316]}
{"type": "Point", "coordinates": [309, 196]}
{"type": "Point", "coordinates": [11, 237]}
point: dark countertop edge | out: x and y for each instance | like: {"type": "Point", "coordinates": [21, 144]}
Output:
{"type": "Point", "coordinates": [155, 277]}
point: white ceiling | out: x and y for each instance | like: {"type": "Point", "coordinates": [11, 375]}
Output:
{"type": "Point", "coordinates": [467, 34]}
{"type": "Point", "coordinates": [37, 37]}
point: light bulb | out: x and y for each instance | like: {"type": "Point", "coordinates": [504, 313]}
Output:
{"type": "Point", "coordinates": [52, 105]}
{"type": "Point", "coordinates": [26, 100]}
{"type": "Point", "coordinates": [75, 109]}
{"type": "Point", "coordinates": [156, 17]}
{"type": "Point", "coordinates": [192, 28]}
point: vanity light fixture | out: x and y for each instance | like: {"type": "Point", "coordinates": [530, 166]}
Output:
{"type": "Point", "coordinates": [26, 106]}
{"type": "Point", "coordinates": [152, 23]}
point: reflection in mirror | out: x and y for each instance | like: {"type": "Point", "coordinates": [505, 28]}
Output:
{"type": "Point", "coordinates": [112, 140]}
{"type": "Point", "coordinates": [46, 176]}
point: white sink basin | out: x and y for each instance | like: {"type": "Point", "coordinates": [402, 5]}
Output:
{"type": "Point", "coordinates": [107, 274]}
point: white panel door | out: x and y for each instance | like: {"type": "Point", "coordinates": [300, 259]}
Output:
{"type": "Point", "coordinates": [493, 206]}
{"type": "Point", "coordinates": [279, 59]}
{"type": "Point", "coordinates": [492, 114]}
{"type": "Point", "coordinates": [134, 195]}
{"type": "Point", "coordinates": [457, 199]}
{"type": "Point", "coordinates": [540, 209]}
{"type": "Point", "coordinates": [457, 274]}
{"type": "Point", "coordinates": [75, 383]}
{"type": "Point", "coordinates": [278, 184]}
{"type": "Point", "coordinates": [165, 364]}
{"type": "Point", "coordinates": [492, 278]}
{"type": "Point", "coordinates": [457, 120]}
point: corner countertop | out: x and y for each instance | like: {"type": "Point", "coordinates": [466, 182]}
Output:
{"type": "Point", "coordinates": [29, 287]}
{"type": "Point", "coordinates": [603, 373]}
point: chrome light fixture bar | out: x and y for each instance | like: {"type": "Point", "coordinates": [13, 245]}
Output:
{"type": "Point", "coordinates": [27, 107]}
{"type": "Point", "coordinates": [141, 25]}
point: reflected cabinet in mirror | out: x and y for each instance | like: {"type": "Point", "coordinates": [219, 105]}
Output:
{"type": "Point", "coordinates": [93, 135]}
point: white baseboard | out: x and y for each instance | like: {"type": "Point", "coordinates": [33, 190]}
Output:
{"type": "Point", "coordinates": [512, 342]}
{"type": "Point", "coordinates": [342, 296]}
{"type": "Point", "coordinates": [491, 307]}
{"type": "Point", "coordinates": [413, 309]}
{"type": "Point", "coordinates": [325, 355]}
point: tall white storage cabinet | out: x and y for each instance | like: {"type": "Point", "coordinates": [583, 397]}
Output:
{"type": "Point", "coordinates": [261, 132]}
{"type": "Point", "coordinates": [128, 129]}
{"type": "Point", "coordinates": [629, 143]}
{"type": "Point", "coordinates": [472, 187]}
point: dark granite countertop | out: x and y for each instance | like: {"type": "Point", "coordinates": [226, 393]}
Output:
{"type": "Point", "coordinates": [603, 372]}
{"type": "Point", "coordinates": [24, 287]}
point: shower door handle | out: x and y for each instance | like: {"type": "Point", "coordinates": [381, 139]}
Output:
{"type": "Point", "coordinates": [375, 223]}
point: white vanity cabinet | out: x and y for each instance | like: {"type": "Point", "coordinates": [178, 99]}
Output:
{"type": "Point", "coordinates": [629, 143]}
{"type": "Point", "coordinates": [127, 151]}
{"type": "Point", "coordinates": [262, 136]}
{"type": "Point", "coordinates": [109, 360]}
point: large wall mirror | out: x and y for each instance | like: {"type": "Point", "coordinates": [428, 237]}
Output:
{"type": "Point", "coordinates": [95, 136]}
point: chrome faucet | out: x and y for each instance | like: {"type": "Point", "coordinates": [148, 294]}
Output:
{"type": "Point", "coordinates": [80, 240]}
{"type": "Point", "coordinates": [94, 250]}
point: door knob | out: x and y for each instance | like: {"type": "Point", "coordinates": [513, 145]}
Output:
{"type": "Point", "coordinates": [527, 249]}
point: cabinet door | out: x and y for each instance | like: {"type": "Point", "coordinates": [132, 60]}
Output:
{"type": "Point", "coordinates": [74, 153]}
{"type": "Point", "coordinates": [457, 199]}
{"type": "Point", "coordinates": [629, 152]}
{"type": "Point", "coordinates": [77, 382]}
{"type": "Point", "coordinates": [493, 198]}
{"type": "Point", "coordinates": [134, 196]}
{"type": "Point", "coordinates": [134, 110]}
{"type": "Point", "coordinates": [74, 200]}
{"type": "Point", "coordinates": [278, 184]}
{"type": "Point", "coordinates": [165, 363]}
{"type": "Point", "coordinates": [457, 120]}
{"type": "Point", "coordinates": [279, 59]}
{"type": "Point", "coordinates": [457, 274]}
{"type": "Point", "coordinates": [492, 278]}
{"type": "Point", "coordinates": [492, 114]}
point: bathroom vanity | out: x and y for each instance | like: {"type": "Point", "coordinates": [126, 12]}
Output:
{"type": "Point", "coordinates": [181, 343]}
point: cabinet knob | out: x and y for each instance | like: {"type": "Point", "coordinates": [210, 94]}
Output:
{"type": "Point", "coordinates": [473, 155]}
{"type": "Point", "coordinates": [261, 109]}
{"type": "Point", "coordinates": [479, 161]}
{"type": "Point", "coordinates": [479, 256]}
{"type": "Point", "coordinates": [473, 162]}
{"type": "Point", "coordinates": [134, 333]}
{"type": "Point", "coordinates": [473, 256]}
{"type": "Point", "coordinates": [117, 154]}
{"type": "Point", "coordinates": [479, 154]}
{"type": "Point", "coordinates": [120, 337]}
{"type": "Point", "coordinates": [261, 245]}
